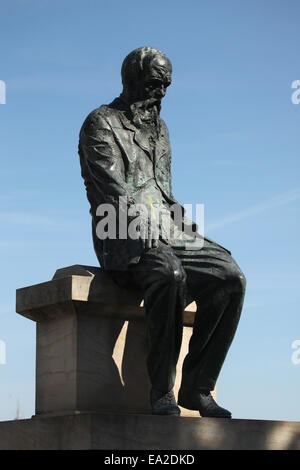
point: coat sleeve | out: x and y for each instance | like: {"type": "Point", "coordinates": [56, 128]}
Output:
{"type": "Point", "coordinates": [102, 164]}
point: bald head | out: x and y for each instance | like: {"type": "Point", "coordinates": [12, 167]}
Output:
{"type": "Point", "coordinates": [146, 73]}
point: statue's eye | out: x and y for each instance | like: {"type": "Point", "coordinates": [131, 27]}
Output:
{"type": "Point", "coordinates": [153, 84]}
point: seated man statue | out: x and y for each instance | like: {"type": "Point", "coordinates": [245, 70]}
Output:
{"type": "Point", "coordinates": [125, 159]}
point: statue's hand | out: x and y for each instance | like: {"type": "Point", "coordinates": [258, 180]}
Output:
{"type": "Point", "coordinates": [148, 233]}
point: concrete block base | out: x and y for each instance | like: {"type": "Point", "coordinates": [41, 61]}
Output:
{"type": "Point", "coordinates": [111, 431]}
{"type": "Point", "coordinates": [91, 344]}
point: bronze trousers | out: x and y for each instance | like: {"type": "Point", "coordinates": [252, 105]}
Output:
{"type": "Point", "coordinates": [170, 279]}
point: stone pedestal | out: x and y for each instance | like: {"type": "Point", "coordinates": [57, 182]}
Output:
{"type": "Point", "coordinates": [92, 387]}
{"type": "Point", "coordinates": [113, 432]}
{"type": "Point", "coordinates": [91, 344]}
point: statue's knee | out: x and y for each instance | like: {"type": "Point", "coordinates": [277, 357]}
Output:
{"type": "Point", "coordinates": [242, 281]}
{"type": "Point", "coordinates": [237, 281]}
{"type": "Point", "coordinates": [235, 278]}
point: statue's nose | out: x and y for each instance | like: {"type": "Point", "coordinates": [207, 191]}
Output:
{"type": "Point", "coordinates": [161, 91]}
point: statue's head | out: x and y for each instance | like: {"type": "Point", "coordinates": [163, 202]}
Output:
{"type": "Point", "coordinates": [146, 73]}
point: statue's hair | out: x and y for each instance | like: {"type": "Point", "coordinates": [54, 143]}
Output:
{"type": "Point", "coordinates": [135, 63]}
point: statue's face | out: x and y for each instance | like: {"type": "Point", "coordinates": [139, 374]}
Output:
{"type": "Point", "coordinates": [156, 79]}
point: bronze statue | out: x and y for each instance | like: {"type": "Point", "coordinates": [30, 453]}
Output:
{"type": "Point", "coordinates": [125, 158]}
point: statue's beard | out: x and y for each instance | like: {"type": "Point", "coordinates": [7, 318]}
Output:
{"type": "Point", "coordinates": [145, 115]}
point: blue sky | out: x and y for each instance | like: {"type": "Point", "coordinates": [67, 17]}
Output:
{"type": "Point", "coordinates": [235, 138]}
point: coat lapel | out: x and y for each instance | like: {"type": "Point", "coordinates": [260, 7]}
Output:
{"type": "Point", "coordinates": [162, 144]}
{"type": "Point", "coordinates": [139, 138]}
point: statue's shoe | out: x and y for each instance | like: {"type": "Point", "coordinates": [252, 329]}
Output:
{"type": "Point", "coordinates": [203, 402]}
{"type": "Point", "coordinates": [163, 403]}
